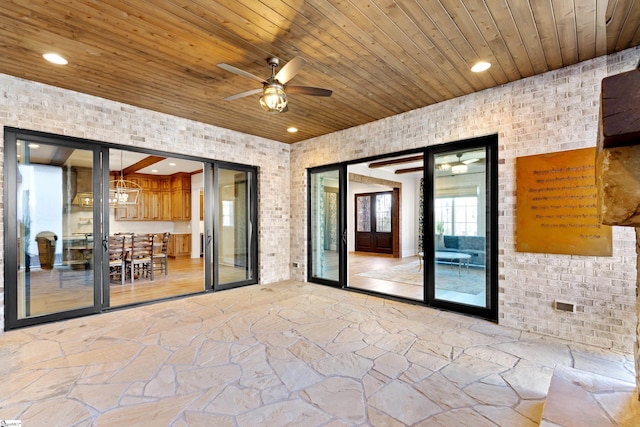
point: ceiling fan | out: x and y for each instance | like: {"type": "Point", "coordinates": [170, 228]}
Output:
{"type": "Point", "coordinates": [274, 89]}
{"type": "Point", "coordinates": [459, 166]}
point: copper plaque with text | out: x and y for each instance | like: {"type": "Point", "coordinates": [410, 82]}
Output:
{"type": "Point", "coordinates": [556, 205]}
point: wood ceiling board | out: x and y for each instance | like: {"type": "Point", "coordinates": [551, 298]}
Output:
{"type": "Point", "coordinates": [630, 31]}
{"type": "Point", "coordinates": [380, 57]}
{"type": "Point", "coordinates": [523, 15]}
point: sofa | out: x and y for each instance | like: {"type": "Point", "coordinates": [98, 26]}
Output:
{"type": "Point", "coordinates": [471, 245]}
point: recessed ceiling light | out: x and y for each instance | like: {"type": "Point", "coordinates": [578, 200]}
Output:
{"type": "Point", "coordinates": [172, 164]}
{"type": "Point", "coordinates": [154, 170]}
{"type": "Point", "coordinates": [292, 130]}
{"type": "Point", "coordinates": [55, 58]}
{"type": "Point", "coordinates": [34, 146]}
{"type": "Point", "coordinates": [480, 66]}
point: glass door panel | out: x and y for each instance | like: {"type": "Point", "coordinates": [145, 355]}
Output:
{"type": "Point", "coordinates": [325, 234]}
{"type": "Point", "coordinates": [460, 223]}
{"type": "Point", "coordinates": [154, 205]}
{"type": "Point", "coordinates": [54, 223]}
{"type": "Point", "coordinates": [235, 262]}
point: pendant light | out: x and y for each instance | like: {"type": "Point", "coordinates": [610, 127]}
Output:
{"type": "Point", "coordinates": [122, 191]}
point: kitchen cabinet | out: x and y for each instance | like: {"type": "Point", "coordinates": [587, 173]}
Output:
{"type": "Point", "coordinates": [179, 245]}
{"type": "Point", "coordinates": [150, 205]}
{"type": "Point", "coordinates": [161, 199]}
{"type": "Point", "coordinates": [165, 206]}
{"type": "Point", "coordinates": [181, 197]}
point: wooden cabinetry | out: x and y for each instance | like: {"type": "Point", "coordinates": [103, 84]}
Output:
{"type": "Point", "coordinates": [179, 245]}
{"type": "Point", "coordinates": [201, 205]}
{"type": "Point", "coordinates": [161, 199]}
{"type": "Point", "coordinates": [165, 206]}
{"type": "Point", "coordinates": [181, 197]}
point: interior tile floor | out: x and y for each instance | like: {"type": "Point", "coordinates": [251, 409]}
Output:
{"type": "Point", "coordinates": [289, 353]}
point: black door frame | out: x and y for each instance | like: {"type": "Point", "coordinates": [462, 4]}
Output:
{"type": "Point", "coordinates": [11, 137]}
{"type": "Point", "coordinates": [342, 226]}
{"type": "Point", "coordinates": [214, 223]}
{"type": "Point", "coordinates": [101, 228]}
{"type": "Point", "coordinates": [490, 142]}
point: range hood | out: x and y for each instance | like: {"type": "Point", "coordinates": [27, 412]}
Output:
{"type": "Point", "coordinates": [79, 186]}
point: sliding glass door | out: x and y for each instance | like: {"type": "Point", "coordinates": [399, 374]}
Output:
{"type": "Point", "coordinates": [50, 265]}
{"type": "Point", "coordinates": [418, 225]}
{"type": "Point", "coordinates": [462, 222]}
{"type": "Point", "coordinates": [235, 220]}
{"type": "Point", "coordinates": [89, 227]}
{"type": "Point", "coordinates": [326, 231]}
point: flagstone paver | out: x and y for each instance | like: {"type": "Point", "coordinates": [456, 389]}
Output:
{"type": "Point", "coordinates": [290, 353]}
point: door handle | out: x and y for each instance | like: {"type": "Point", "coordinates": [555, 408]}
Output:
{"type": "Point", "coordinates": [105, 243]}
{"type": "Point", "coordinates": [344, 237]}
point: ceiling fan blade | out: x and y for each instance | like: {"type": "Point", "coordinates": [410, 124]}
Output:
{"type": "Point", "coordinates": [306, 90]}
{"type": "Point", "coordinates": [243, 94]}
{"type": "Point", "coordinates": [240, 72]}
{"type": "Point", "coordinates": [290, 69]}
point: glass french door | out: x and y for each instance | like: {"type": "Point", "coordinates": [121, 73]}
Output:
{"type": "Point", "coordinates": [50, 265]}
{"type": "Point", "coordinates": [234, 226]}
{"type": "Point", "coordinates": [462, 223]}
{"type": "Point", "coordinates": [327, 236]}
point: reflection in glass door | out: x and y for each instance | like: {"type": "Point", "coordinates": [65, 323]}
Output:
{"type": "Point", "coordinates": [235, 246]}
{"type": "Point", "coordinates": [462, 222]}
{"type": "Point", "coordinates": [54, 228]}
{"type": "Point", "coordinates": [325, 234]}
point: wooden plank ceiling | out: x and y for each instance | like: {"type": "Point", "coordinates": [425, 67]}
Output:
{"type": "Point", "coordinates": [380, 57]}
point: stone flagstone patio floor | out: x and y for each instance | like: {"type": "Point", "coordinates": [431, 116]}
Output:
{"type": "Point", "coordinates": [289, 353]}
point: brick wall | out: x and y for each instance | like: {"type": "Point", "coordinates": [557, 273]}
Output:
{"type": "Point", "coordinates": [33, 106]}
{"type": "Point", "coordinates": [552, 112]}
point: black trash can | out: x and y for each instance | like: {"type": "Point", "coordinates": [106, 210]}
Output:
{"type": "Point", "coordinates": [46, 249]}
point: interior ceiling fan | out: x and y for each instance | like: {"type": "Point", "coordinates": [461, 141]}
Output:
{"type": "Point", "coordinates": [274, 89]}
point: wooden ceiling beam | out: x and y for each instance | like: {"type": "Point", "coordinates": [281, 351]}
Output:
{"type": "Point", "coordinates": [146, 162]}
{"type": "Point", "coordinates": [384, 163]}
{"type": "Point", "coordinates": [409, 170]}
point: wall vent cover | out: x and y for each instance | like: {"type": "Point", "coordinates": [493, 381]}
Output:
{"type": "Point", "coordinates": [565, 306]}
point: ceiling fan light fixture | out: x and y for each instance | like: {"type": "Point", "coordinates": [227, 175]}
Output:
{"type": "Point", "coordinates": [459, 168]}
{"type": "Point", "coordinates": [273, 99]}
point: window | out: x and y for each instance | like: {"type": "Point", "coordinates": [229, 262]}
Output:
{"type": "Point", "coordinates": [457, 216]}
{"type": "Point", "coordinates": [227, 213]}
{"type": "Point", "coordinates": [383, 213]}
